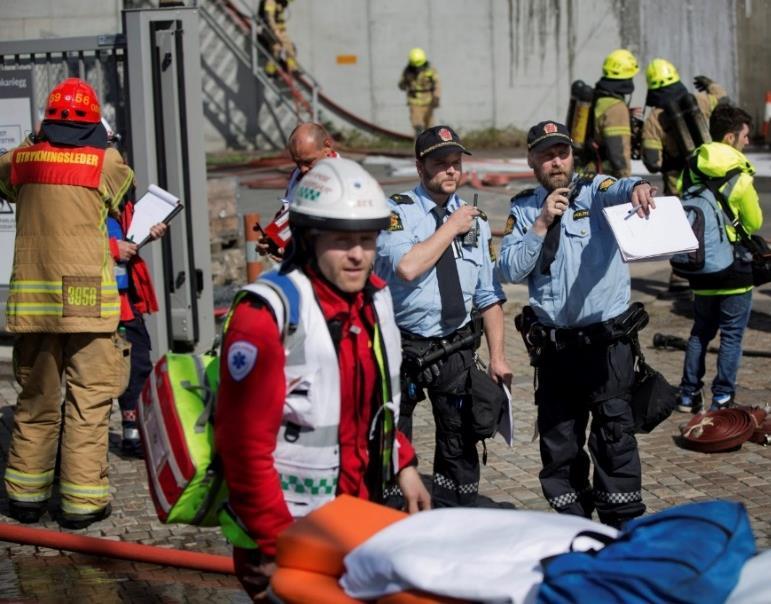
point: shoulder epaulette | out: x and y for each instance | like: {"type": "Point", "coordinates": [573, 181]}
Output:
{"type": "Point", "coordinates": [402, 199]}
{"type": "Point", "coordinates": [523, 193]}
{"type": "Point", "coordinates": [606, 184]}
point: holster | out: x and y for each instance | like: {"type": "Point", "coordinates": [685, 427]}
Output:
{"type": "Point", "coordinates": [540, 338]}
{"type": "Point", "coordinates": [524, 323]}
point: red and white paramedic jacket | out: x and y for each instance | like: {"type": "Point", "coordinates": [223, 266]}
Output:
{"type": "Point", "coordinates": [252, 404]}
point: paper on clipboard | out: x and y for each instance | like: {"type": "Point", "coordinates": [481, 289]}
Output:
{"type": "Point", "coordinates": [155, 206]}
{"type": "Point", "coordinates": [663, 233]}
{"type": "Point", "coordinates": [506, 424]}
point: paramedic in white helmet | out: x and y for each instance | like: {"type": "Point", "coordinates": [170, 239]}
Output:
{"type": "Point", "coordinates": [309, 395]}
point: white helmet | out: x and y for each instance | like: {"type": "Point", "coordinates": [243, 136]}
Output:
{"type": "Point", "coordinates": [339, 195]}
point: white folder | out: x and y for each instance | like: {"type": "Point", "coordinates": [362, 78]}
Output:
{"type": "Point", "coordinates": [662, 234]}
{"type": "Point", "coordinates": [157, 205]}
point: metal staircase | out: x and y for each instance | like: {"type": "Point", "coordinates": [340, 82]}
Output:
{"type": "Point", "coordinates": [250, 109]}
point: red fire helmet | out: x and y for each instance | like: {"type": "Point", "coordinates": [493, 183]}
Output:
{"type": "Point", "coordinates": [73, 100]}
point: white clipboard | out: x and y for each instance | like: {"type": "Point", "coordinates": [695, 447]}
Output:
{"type": "Point", "coordinates": [662, 234]}
{"type": "Point", "coordinates": [156, 206]}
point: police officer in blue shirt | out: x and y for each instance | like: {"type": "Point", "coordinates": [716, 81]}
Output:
{"type": "Point", "coordinates": [438, 260]}
{"type": "Point", "coordinates": [580, 329]}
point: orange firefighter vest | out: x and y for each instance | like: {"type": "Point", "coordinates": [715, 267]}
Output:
{"type": "Point", "coordinates": [62, 280]}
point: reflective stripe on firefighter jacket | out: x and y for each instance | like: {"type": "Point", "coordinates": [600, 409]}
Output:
{"type": "Point", "coordinates": [274, 13]}
{"type": "Point", "coordinates": [63, 279]}
{"type": "Point", "coordinates": [422, 85]}
{"type": "Point", "coordinates": [613, 134]}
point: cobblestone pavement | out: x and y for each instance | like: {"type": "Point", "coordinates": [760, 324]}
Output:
{"type": "Point", "coordinates": [510, 479]}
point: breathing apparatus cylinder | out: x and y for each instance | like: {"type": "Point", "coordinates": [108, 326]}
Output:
{"type": "Point", "coordinates": [690, 125]}
{"type": "Point", "coordinates": [579, 109]}
{"type": "Point", "coordinates": [684, 140]}
{"type": "Point", "coordinates": [636, 123]}
{"type": "Point", "coordinates": [695, 120]}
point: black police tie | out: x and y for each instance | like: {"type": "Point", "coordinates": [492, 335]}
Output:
{"type": "Point", "coordinates": [450, 293]}
{"type": "Point", "coordinates": [551, 242]}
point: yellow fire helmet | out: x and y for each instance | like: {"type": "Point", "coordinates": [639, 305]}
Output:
{"type": "Point", "coordinates": [660, 73]}
{"type": "Point", "coordinates": [620, 65]}
{"type": "Point", "coordinates": [417, 57]}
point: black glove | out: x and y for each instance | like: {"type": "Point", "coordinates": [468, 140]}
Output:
{"type": "Point", "coordinates": [702, 83]}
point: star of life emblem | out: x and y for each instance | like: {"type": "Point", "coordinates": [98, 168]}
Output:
{"type": "Point", "coordinates": [241, 359]}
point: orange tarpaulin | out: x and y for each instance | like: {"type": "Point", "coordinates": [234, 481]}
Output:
{"type": "Point", "coordinates": [311, 551]}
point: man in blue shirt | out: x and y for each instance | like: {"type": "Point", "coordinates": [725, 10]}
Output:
{"type": "Point", "coordinates": [579, 327]}
{"type": "Point", "coordinates": [438, 260]}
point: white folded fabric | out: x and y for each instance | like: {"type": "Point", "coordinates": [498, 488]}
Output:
{"type": "Point", "coordinates": [754, 586]}
{"type": "Point", "coordinates": [488, 555]}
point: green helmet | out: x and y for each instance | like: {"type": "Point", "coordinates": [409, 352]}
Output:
{"type": "Point", "coordinates": [660, 73]}
{"type": "Point", "coordinates": [620, 65]}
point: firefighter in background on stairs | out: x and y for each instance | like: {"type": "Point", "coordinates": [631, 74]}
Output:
{"type": "Point", "coordinates": [273, 14]}
{"type": "Point", "coordinates": [421, 83]}
{"type": "Point", "coordinates": [678, 122]}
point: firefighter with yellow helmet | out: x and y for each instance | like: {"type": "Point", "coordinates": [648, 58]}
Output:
{"type": "Point", "coordinates": [421, 83]}
{"type": "Point", "coordinates": [273, 14]}
{"type": "Point", "coordinates": [612, 131]}
{"type": "Point", "coordinates": [678, 121]}
{"type": "Point", "coordinates": [64, 308]}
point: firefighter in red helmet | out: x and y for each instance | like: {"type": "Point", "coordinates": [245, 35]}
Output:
{"type": "Point", "coordinates": [64, 308]}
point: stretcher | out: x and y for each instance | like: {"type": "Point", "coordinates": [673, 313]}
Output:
{"type": "Point", "coordinates": [310, 554]}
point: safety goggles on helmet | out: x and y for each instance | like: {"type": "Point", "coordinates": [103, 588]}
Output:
{"type": "Point", "coordinates": [660, 73]}
{"type": "Point", "coordinates": [73, 100]}
{"type": "Point", "coordinates": [620, 65]}
{"type": "Point", "coordinates": [339, 195]}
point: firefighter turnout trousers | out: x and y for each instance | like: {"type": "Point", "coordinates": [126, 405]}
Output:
{"type": "Point", "coordinates": [421, 117]}
{"type": "Point", "coordinates": [95, 367]}
{"type": "Point", "coordinates": [572, 384]}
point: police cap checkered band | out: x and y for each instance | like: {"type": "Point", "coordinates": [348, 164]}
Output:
{"type": "Point", "coordinates": [546, 134]}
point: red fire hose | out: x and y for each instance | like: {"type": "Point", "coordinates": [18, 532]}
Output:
{"type": "Point", "coordinates": [116, 549]}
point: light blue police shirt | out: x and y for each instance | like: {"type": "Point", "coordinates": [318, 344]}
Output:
{"type": "Point", "coordinates": [417, 303]}
{"type": "Point", "coordinates": [589, 281]}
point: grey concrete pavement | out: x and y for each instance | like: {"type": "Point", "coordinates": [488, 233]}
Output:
{"type": "Point", "coordinates": [671, 475]}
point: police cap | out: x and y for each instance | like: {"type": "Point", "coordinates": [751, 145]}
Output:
{"type": "Point", "coordinates": [438, 141]}
{"type": "Point", "coordinates": [547, 134]}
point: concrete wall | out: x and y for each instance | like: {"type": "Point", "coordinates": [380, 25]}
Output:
{"type": "Point", "coordinates": [503, 62]}
{"type": "Point", "coordinates": [753, 20]}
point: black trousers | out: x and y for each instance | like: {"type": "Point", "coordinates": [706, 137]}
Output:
{"type": "Point", "coordinates": [141, 366]}
{"type": "Point", "coordinates": [456, 461]}
{"type": "Point", "coordinates": [573, 384]}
